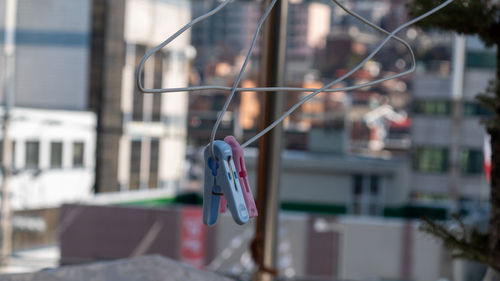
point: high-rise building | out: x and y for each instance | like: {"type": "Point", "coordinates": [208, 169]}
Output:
{"type": "Point", "coordinates": [141, 137]}
{"type": "Point", "coordinates": [447, 136]}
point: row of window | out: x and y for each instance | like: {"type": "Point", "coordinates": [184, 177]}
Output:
{"type": "Point", "coordinates": [431, 159]}
{"type": "Point", "coordinates": [32, 154]}
{"type": "Point", "coordinates": [443, 108]}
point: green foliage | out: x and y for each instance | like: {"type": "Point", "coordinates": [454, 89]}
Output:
{"type": "Point", "coordinates": [490, 99]}
{"type": "Point", "coordinates": [481, 17]}
{"type": "Point", "coordinates": [466, 244]}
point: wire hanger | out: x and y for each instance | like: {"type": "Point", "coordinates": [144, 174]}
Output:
{"type": "Point", "coordinates": [220, 176]}
{"type": "Point", "coordinates": [326, 88]}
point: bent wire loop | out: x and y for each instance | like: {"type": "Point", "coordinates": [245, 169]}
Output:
{"type": "Point", "coordinates": [214, 190]}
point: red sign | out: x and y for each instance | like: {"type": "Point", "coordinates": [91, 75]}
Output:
{"type": "Point", "coordinates": [193, 234]}
{"type": "Point", "coordinates": [487, 156]}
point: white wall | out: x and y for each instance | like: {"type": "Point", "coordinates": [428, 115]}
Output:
{"type": "Point", "coordinates": [61, 15]}
{"type": "Point", "coordinates": [318, 25]}
{"type": "Point", "coordinates": [375, 248]}
{"type": "Point", "coordinates": [431, 86]}
{"type": "Point", "coordinates": [52, 53]}
{"type": "Point", "coordinates": [150, 22]}
{"type": "Point", "coordinates": [369, 249]}
{"type": "Point", "coordinates": [365, 241]}
{"type": "Point", "coordinates": [52, 77]}
{"type": "Point", "coordinates": [431, 130]}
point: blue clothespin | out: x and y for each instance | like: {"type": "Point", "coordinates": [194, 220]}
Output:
{"type": "Point", "coordinates": [221, 179]}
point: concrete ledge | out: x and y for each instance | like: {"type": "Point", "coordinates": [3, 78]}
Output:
{"type": "Point", "coordinates": [145, 268]}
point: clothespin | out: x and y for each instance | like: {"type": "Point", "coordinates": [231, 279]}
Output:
{"type": "Point", "coordinates": [221, 179]}
{"type": "Point", "coordinates": [239, 162]}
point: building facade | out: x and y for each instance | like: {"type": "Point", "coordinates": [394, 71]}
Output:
{"type": "Point", "coordinates": [341, 184]}
{"type": "Point", "coordinates": [53, 157]}
{"type": "Point", "coordinates": [141, 137]}
{"type": "Point", "coordinates": [45, 62]}
{"type": "Point", "coordinates": [447, 134]}
{"type": "Point", "coordinates": [51, 53]}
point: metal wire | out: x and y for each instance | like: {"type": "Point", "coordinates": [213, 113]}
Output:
{"type": "Point", "coordinates": [242, 70]}
{"type": "Point", "coordinates": [326, 88]}
{"type": "Point", "coordinates": [310, 96]}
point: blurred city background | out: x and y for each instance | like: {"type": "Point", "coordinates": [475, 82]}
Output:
{"type": "Point", "coordinates": [101, 171]}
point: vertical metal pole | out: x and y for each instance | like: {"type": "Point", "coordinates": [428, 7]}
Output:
{"type": "Point", "coordinates": [457, 83]}
{"type": "Point", "coordinates": [8, 90]}
{"type": "Point", "coordinates": [273, 72]}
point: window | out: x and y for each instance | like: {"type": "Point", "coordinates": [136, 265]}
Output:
{"type": "Point", "coordinates": [476, 109]}
{"type": "Point", "coordinates": [138, 98]}
{"type": "Point", "coordinates": [13, 154]}
{"type": "Point", "coordinates": [482, 59]}
{"type": "Point", "coordinates": [373, 203]}
{"type": "Point", "coordinates": [158, 81]}
{"type": "Point", "coordinates": [357, 194]}
{"type": "Point", "coordinates": [471, 161]}
{"type": "Point", "coordinates": [153, 163]}
{"type": "Point", "coordinates": [135, 165]}
{"type": "Point", "coordinates": [366, 195]}
{"type": "Point", "coordinates": [78, 150]}
{"type": "Point", "coordinates": [443, 108]}
{"type": "Point", "coordinates": [56, 149]}
{"type": "Point", "coordinates": [32, 154]}
{"type": "Point", "coordinates": [429, 107]}
{"type": "Point", "coordinates": [427, 159]}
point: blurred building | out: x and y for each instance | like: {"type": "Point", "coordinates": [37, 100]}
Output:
{"type": "Point", "coordinates": [324, 182]}
{"type": "Point", "coordinates": [372, 121]}
{"type": "Point", "coordinates": [46, 75]}
{"type": "Point", "coordinates": [226, 34]}
{"type": "Point", "coordinates": [447, 135]}
{"type": "Point", "coordinates": [53, 157]}
{"type": "Point", "coordinates": [308, 27]}
{"type": "Point", "coordinates": [141, 138]}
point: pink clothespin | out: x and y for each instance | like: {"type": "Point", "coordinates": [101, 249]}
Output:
{"type": "Point", "coordinates": [239, 162]}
